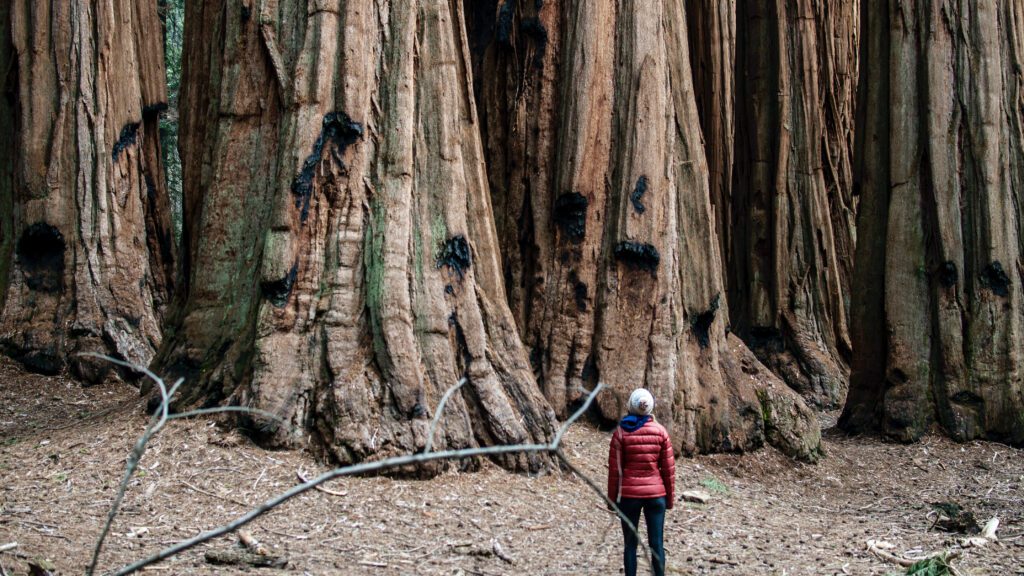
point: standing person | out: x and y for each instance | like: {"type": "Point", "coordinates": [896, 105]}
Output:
{"type": "Point", "coordinates": [642, 477]}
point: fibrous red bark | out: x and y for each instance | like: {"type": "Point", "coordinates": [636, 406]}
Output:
{"type": "Point", "coordinates": [342, 264]}
{"type": "Point", "coordinates": [91, 256]}
{"type": "Point", "coordinates": [790, 230]}
{"type": "Point", "coordinates": [940, 150]}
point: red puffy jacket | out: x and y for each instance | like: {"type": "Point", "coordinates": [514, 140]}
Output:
{"type": "Point", "coordinates": [644, 463]}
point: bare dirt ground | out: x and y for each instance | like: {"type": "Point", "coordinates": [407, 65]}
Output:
{"type": "Point", "coordinates": [63, 449]}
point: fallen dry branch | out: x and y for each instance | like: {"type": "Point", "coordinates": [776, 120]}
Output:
{"type": "Point", "coordinates": [8, 546]}
{"type": "Point", "coordinates": [239, 557]}
{"type": "Point", "coordinates": [161, 417]}
{"type": "Point", "coordinates": [155, 424]}
{"type": "Point", "coordinates": [553, 447]}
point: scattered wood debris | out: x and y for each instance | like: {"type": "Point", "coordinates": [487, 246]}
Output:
{"type": "Point", "coordinates": [499, 552]}
{"type": "Point", "coordinates": [952, 517]}
{"type": "Point", "coordinates": [698, 496]}
{"type": "Point", "coordinates": [249, 551]}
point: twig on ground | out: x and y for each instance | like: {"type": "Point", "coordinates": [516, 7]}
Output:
{"type": "Point", "coordinates": [250, 542]}
{"type": "Point", "coordinates": [34, 523]}
{"type": "Point", "coordinates": [235, 556]}
{"type": "Point", "coordinates": [499, 552]}
{"type": "Point", "coordinates": [260, 477]}
{"type": "Point", "coordinates": [195, 488]}
{"type": "Point", "coordinates": [226, 409]}
{"type": "Point", "coordinates": [302, 478]}
{"type": "Point", "coordinates": [8, 546]}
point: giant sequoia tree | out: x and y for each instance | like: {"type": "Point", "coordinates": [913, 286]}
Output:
{"type": "Point", "coordinates": [775, 88]}
{"type": "Point", "coordinates": [341, 262]}
{"type": "Point", "coordinates": [600, 184]}
{"type": "Point", "coordinates": [88, 257]}
{"type": "Point", "coordinates": [786, 280]}
{"type": "Point", "coordinates": [937, 308]}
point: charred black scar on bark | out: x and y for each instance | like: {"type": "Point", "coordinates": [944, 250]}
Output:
{"type": "Point", "coordinates": [456, 255]}
{"type": "Point", "coordinates": [40, 254]}
{"type": "Point", "coordinates": [278, 291]}
{"type": "Point", "coordinates": [129, 136]}
{"type": "Point", "coordinates": [638, 255]}
{"type": "Point", "coordinates": [579, 290]}
{"type": "Point", "coordinates": [570, 215]}
{"type": "Point", "coordinates": [338, 129]}
{"type": "Point", "coordinates": [948, 274]}
{"type": "Point", "coordinates": [529, 28]}
{"type": "Point", "coordinates": [766, 339]}
{"type": "Point", "coordinates": [638, 194]}
{"type": "Point", "coordinates": [503, 27]}
{"type": "Point", "coordinates": [533, 28]}
{"type": "Point", "coordinates": [701, 323]}
{"type": "Point", "coordinates": [995, 279]}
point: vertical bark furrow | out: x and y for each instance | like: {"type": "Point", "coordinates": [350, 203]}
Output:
{"type": "Point", "coordinates": [712, 36]}
{"type": "Point", "coordinates": [8, 95]}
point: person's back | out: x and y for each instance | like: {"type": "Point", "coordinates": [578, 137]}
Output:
{"type": "Point", "coordinates": [641, 477]}
{"type": "Point", "coordinates": [647, 463]}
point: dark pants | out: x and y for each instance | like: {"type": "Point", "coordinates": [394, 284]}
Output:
{"type": "Point", "coordinates": [654, 514]}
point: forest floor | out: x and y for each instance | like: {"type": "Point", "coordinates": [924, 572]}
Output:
{"type": "Point", "coordinates": [63, 450]}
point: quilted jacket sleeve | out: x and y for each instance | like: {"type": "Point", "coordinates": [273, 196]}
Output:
{"type": "Point", "coordinates": [667, 465]}
{"type": "Point", "coordinates": [613, 467]}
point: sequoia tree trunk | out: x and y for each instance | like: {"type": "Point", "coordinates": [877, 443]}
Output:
{"type": "Point", "coordinates": [8, 95]}
{"type": "Point", "coordinates": [787, 274]}
{"type": "Point", "coordinates": [86, 233]}
{"type": "Point", "coordinates": [600, 183]}
{"type": "Point", "coordinates": [940, 166]}
{"type": "Point", "coordinates": [342, 267]}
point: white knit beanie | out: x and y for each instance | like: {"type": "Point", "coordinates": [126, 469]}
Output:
{"type": "Point", "coordinates": [641, 402]}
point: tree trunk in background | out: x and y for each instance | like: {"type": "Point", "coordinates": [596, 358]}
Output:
{"type": "Point", "coordinates": [342, 265]}
{"type": "Point", "coordinates": [601, 191]}
{"type": "Point", "coordinates": [791, 196]}
{"type": "Point", "coordinates": [8, 99]}
{"type": "Point", "coordinates": [92, 260]}
{"type": "Point", "coordinates": [940, 165]}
